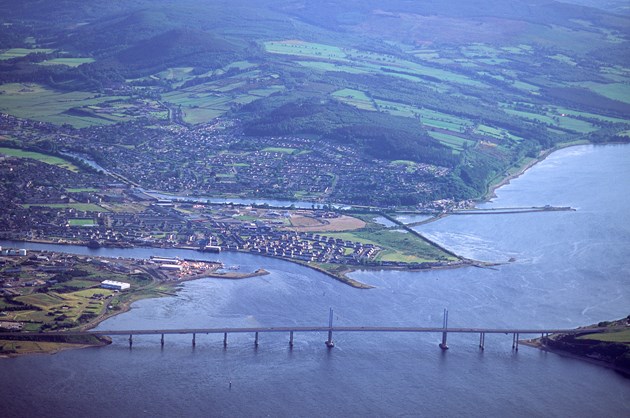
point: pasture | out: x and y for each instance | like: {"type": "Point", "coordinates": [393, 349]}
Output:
{"type": "Point", "coordinates": [22, 52]}
{"type": "Point", "coordinates": [68, 62]}
{"type": "Point", "coordinates": [45, 158]}
{"type": "Point", "coordinates": [37, 102]}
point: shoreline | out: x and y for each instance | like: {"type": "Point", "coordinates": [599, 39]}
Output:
{"type": "Point", "coordinates": [535, 343]}
{"type": "Point", "coordinates": [520, 170]}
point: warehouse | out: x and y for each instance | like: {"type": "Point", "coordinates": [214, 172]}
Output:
{"type": "Point", "coordinates": [114, 285]}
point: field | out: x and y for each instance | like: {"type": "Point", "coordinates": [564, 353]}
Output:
{"type": "Point", "coordinates": [396, 246]}
{"type": "Point", "coordinates": [37, 102]}
{"type": "Point", "coordinates": [280, 150]}
{"type": "Point", "coordinates": [615, 337]}
{"type": "Point", "coordinates": [310, 224]}
{"type": "Point", "coordinates": [203, 102]}
{"type": "Point", "coordinates": [562, 120]}
{"type": "Point", "coordinates": [355, 98]}
{"type": "Point", "coordinates": [615, 91]}
{"type": "Point", "coordinates": [48, 159]}
{"type": "Point", "coordinates": [81, 222]}
{"type": "Point", "coordinates": [331, 58]}
{"type": "Point", "coordinates": [69, 62]}
{"type": "Point", "coordinates": [22, 52]}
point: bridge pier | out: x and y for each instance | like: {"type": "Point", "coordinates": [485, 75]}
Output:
{"type": "Point", "coordinates": [193, 341]}
{"type": "Point", "coordinates": [291, 339]}
{"type": "Point", "coordinates": [443, 344]}
{"type": "Point", "coordinates": [256, 340]}
{"type": "Point", "coordinates": [329, 341]}
{"type": "Point", "coordinates": [515, 338]}
{"type": "Point", "coordinates": [225, 339]}
{"type": "Point", "coordinates": [482, 340]}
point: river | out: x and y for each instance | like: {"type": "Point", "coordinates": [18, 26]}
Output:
{"type": "Point", "coordinates": [571, 269]}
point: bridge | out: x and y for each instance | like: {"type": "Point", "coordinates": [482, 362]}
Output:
{"type": "Point", "coordinates": [330, 329]}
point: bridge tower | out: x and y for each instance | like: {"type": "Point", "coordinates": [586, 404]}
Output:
{"type": "Point", "coordinates": [329, 341]}
{"type": "Point", "coordinates": [443, 344]}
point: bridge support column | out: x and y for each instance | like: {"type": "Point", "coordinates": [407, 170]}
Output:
{"type": "Point", "coordinates": [256, 340]}
{"type": "Point", "coordinates": [515, 338]}
{"type": "Point", "coordinates": [225, 339]}
{"type": "Point", "coordinates": [193, 341]}
{"type": "Point", "coordinates": [130, 340]}
{"type": "Point", "coordinates": [162, 340]}
{"type": "Point", "coordinates": [291, 339]}
{"type": "Point", "coordinates": [482, 340]}
{"type": "Point", "coordinates": [443, 344]}
{"type": "Point", "coordinates": [329, 341]}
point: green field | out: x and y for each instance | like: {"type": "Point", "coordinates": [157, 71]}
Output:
{"type": "Point", "coordinates": [397, 247]}
{"type": "Point", "coordinates": [355, 98]}
{"type": "Point", "coordinates": [561, 110]}
{"type": "Point", "coordinates": [206, 101]}
{"type": "Point", "coordinates": [22, 52]}
{"type": "Point", "coordinates": [43, 300]}
{"type": "Point", "coordinates": [281, 150]}
{"type": "Point", "coordinates": [615, 91]}
{"type": "Point", "coordinates": [37, 102]}
{"type": "Point", "coordinates": [81, 222]}
{"type": "Point", "coordinates": [69, 62]}
{"type": "Point", "coordinates": [616, 337]}
{"type": "Point", "coordinates": [451, 141]}
{"type": "Point", "coordinates": [48, 159]}
{"type": "Point", "coordinates": [81, 190]}
{"type": "Point", "coordinates": [305, 49]}
{"type": "Point", "coordinates": [331, 58]}
{"type": "Point", "coordinates": [564, 122]}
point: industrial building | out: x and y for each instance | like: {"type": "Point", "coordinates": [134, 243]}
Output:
{"type": "Point", "coordinates": [114, 285]}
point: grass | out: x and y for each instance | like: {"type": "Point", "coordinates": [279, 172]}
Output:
{"type": "Point", "coordinates": [68, 62]}
{"type": "Point", "coordinates": [22, 52]}
{"type": "Point", "coordinates": [81, 190]}
{"type": "Point", "coordinates": [40, 103]}
{"type": "Point", "coordinates": [356, 98]}
{"type": "Point", "coordinates": [564, 110]}
{"type": "Point", "coordinates": [81, 222]}
{"type": "Point", "coordinates": [396, 247]}
{"type": "Point", "coordinates": [304, 49]}
{"type": "Point", "coordinates": [615, 91]}
{"type": "Point", "coordinates": [450, 141]}
{"type": "Point", "coordinates": [43, 300]}
{"type": "Point", "coordinates": [616, 337]}
{"type": "Point", "coordinates": [281, 150]}
{"type": "Point", "coordinates": [207, 101]}
{"type": "Point", "coordinates": [565, 122]}
{"type": "Point", "coordinates": [48, 159]}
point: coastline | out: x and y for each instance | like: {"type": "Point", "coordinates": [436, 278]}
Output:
{"type": "Point", "coordinates": [521, 169]}
{"type": "Point", "coordinates": [535, 343]}
{"type": "Point", "coordinates": [340, 274]}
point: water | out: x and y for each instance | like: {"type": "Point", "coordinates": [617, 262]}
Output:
{"type": "Point", "coordinates": [571, 269]}
{"type": "Point", "coordinates": [239, 201]}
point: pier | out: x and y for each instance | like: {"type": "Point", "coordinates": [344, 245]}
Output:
{"type": "Point", "coordinates": [506, 211]}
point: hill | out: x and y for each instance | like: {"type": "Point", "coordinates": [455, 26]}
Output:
{"type": "Point", "coordinates": [462, 91]}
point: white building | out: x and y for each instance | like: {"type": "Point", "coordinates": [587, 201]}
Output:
{"type": "Point", "coordinates": [173, 267]}
{"type": "Point", "coordinates": [114, 285]}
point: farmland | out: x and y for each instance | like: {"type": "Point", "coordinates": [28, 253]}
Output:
{"type": "Point", "coordinates": [48, 159]}
{"type": "Point", "coordinates": [187, 107]}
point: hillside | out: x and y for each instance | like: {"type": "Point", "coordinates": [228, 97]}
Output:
{"type": "Point", "coordinates": [439, 99]}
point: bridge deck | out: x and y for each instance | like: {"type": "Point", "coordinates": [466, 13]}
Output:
{"type": "Point", "coordinates": [313, 329]}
